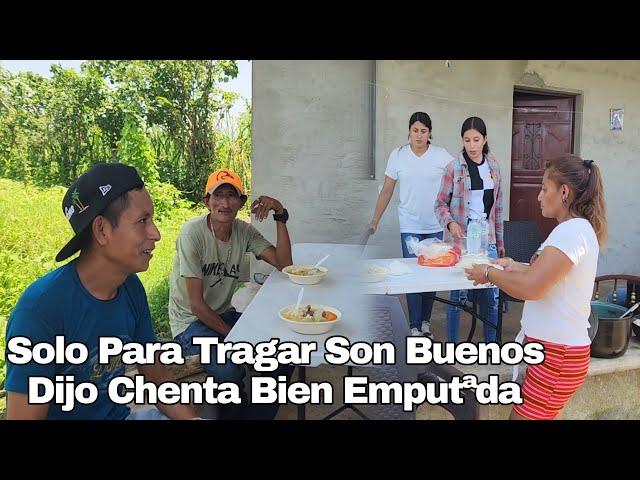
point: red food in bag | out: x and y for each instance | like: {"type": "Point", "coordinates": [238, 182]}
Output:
{"type": "Point", "coordinates": [449, 259]}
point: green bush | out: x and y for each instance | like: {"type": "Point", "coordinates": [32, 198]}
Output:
{"type": "Point", "coordinates": [166, 200]}
{"type": "Point", "coordinates": [156, 279]}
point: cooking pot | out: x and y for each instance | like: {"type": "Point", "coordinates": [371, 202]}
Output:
{"type": "Point", "coordinates": [611, 337]}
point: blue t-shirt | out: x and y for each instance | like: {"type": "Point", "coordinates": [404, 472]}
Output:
{"type": "Point", "coordinates": [58, 304]}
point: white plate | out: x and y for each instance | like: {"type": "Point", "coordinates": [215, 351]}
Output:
{"type": "Point", "coordinates": [377, 275]}
{"type": "Point", "coordinates": [397, 268]}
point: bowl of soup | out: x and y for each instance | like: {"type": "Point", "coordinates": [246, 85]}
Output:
{"type": "Point", "coordinates": [305, 274]}
{"type": "Point", "coordinates": [310, 319]}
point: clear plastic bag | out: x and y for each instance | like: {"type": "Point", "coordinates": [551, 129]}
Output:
{"type": "Point", "coordinates": [429, 247]}
{"type": "Point", "coordinates": [434, 252]}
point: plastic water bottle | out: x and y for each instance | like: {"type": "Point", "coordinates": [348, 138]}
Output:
{"type": "Point", "coordinates": [474, 237]}
{"type": "Point", "coordinates": [484, 244]}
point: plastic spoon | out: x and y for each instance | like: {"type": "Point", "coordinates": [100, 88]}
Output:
{"type": "Point", "coordinates": [299, 299]}
{"type": "Point", "coordinates": [320, 261]}
{"type": "Point", "coordinates": [630, 310]}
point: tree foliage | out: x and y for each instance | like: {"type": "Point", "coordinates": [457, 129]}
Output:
{"type": "Point", "coordinates": [168, 118]}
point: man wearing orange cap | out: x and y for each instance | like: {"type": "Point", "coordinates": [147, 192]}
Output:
{"type": "Point", "coordinates": [206, 266]}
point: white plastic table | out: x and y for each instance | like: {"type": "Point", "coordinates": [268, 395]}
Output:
{"type": "Point", "coordinates": [343, 289]}
{"type": "Point", "coordinates": [339, 288]}
{"type": "Point", "coordinates": [422, 279]}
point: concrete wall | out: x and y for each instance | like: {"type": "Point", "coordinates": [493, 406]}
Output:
{"type": "Point", "coordinates": [310, 146]}
{"type": "Point", "coordinates": [449, 96]}
{"type": "Point", "coordinates": [310, 134]}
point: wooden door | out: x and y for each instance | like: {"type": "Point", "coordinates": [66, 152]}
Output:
{"type": "Point", "coordinates": [542, 129]}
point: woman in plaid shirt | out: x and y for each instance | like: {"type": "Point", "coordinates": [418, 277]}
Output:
{"type": "Point", "coordinates": [470, 188]}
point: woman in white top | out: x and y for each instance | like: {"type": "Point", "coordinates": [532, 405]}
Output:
{"type": "Point", "coordinates": [558, 285]}
{"type": "Point", "coordinates": [419, 167]}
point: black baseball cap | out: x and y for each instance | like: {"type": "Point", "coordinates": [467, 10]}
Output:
{"type": "Point", "coordinates": [90, 194]}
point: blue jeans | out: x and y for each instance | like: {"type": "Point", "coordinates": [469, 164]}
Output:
{"type": "Point", "coordinates": [230, 372]}
{"type": "Point", "coordinates": [487, 299]}
{"type": "Point", "coordinates": [227, 372]}
{"type": "Point", "coordinates": [420, 304]}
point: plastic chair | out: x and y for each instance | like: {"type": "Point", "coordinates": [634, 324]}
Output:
{"type": "Point", "coordinates": [632, 287]}
{"type": "Point", "coordinates": [522, 238]}
{"type": "Point", "coordinates": [389, 323]}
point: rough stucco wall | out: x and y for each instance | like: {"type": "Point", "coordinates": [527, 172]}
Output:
{"type": "Point", "coordinates": [310, 146]}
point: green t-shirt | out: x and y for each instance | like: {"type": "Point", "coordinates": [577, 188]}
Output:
{"type": "Point", "coordinates": [199, 255]}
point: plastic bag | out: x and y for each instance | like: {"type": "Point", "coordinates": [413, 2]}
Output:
{"type": "Point", "coordinates": [433, 252]}
{"type": "Point", "coordinates": [429, 247]}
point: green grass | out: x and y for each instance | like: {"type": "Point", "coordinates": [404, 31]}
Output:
{"type": "Point", "coordinates": [33, 229]}
{"type": "Point", "coordinates": [156, 279]}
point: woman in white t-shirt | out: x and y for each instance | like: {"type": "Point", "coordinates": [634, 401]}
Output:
{"type": "Point", "coordinates": [419, 167]}
{"type": "Point", "coordinates": [557, 286]}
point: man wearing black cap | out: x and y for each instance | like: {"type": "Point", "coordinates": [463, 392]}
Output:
{"type": "Point", "coordinates": [95, 295]}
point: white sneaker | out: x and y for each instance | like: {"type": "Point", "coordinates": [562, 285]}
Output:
{"type": "Point", "coordinates": [415, 332]}
{"type": "Point", "coordinates": [426, 329]}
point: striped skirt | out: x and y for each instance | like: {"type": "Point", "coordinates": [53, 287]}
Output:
{"type": "Point", "coordinates": [549, 386]}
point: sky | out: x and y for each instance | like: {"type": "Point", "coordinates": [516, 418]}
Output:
{"type": "Point", "coordinates": [241, 84]}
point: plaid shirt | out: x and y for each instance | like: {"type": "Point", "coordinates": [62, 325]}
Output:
{"type": "Point", "coordinates": [454, 198]}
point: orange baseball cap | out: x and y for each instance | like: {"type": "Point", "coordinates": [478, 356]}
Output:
{"type": "Point", "coordinates": [219, 177]}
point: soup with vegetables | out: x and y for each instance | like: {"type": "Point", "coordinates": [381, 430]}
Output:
{"type": "Point", "coordinates": [304, 271]}
{"type": "Point", "coordinates": [309, 314]}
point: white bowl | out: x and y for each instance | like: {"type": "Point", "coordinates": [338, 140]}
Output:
{"type": "Point", "coordinates": [374, 274]}
{"type": "Point", "coordinates": [311, 328]}
{"type": "Point", "coordinates": [305, 279]}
